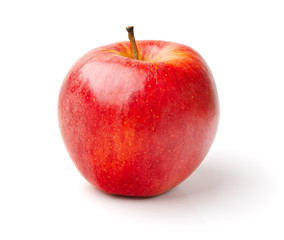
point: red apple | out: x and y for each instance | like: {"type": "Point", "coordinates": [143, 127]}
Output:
{"type": "Point", "coordinates": [138, 127]}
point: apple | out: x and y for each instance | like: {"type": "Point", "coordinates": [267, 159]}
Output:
{"type": "Point", "coordinates": [137, 118]}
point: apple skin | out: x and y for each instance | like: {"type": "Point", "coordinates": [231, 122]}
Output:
{"type": "Point", "coordinates": [138, 127]}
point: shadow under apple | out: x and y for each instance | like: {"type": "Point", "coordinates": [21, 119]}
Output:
{"type": "Point", "coordinates": [224, 184]}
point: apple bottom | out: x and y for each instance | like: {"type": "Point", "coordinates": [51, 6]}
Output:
{"type": "Point", "coordinates": [137, 162]}
{"type": "Point", "coordinates": [144, 181]}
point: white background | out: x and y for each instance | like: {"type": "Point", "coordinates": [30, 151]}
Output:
{"type": "Point", "coordinates": [236, 193]}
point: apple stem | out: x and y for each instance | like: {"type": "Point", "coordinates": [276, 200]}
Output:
{"type": "Point", "coordinates": [130, 30]}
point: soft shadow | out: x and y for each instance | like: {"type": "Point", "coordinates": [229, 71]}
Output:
{"type": "Point", "coordinates": [217, 172]}
{"type": "Point", "coordinates": [221, 183]}
{"type": "Point", "coordinates": [207, 179]}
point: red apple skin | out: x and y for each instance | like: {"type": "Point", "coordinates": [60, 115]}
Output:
{"type": "Point", "coordinates": [138, 127]}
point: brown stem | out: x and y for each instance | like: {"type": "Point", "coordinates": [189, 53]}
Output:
{"type": "Point", "coordinates": [130, 30]}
